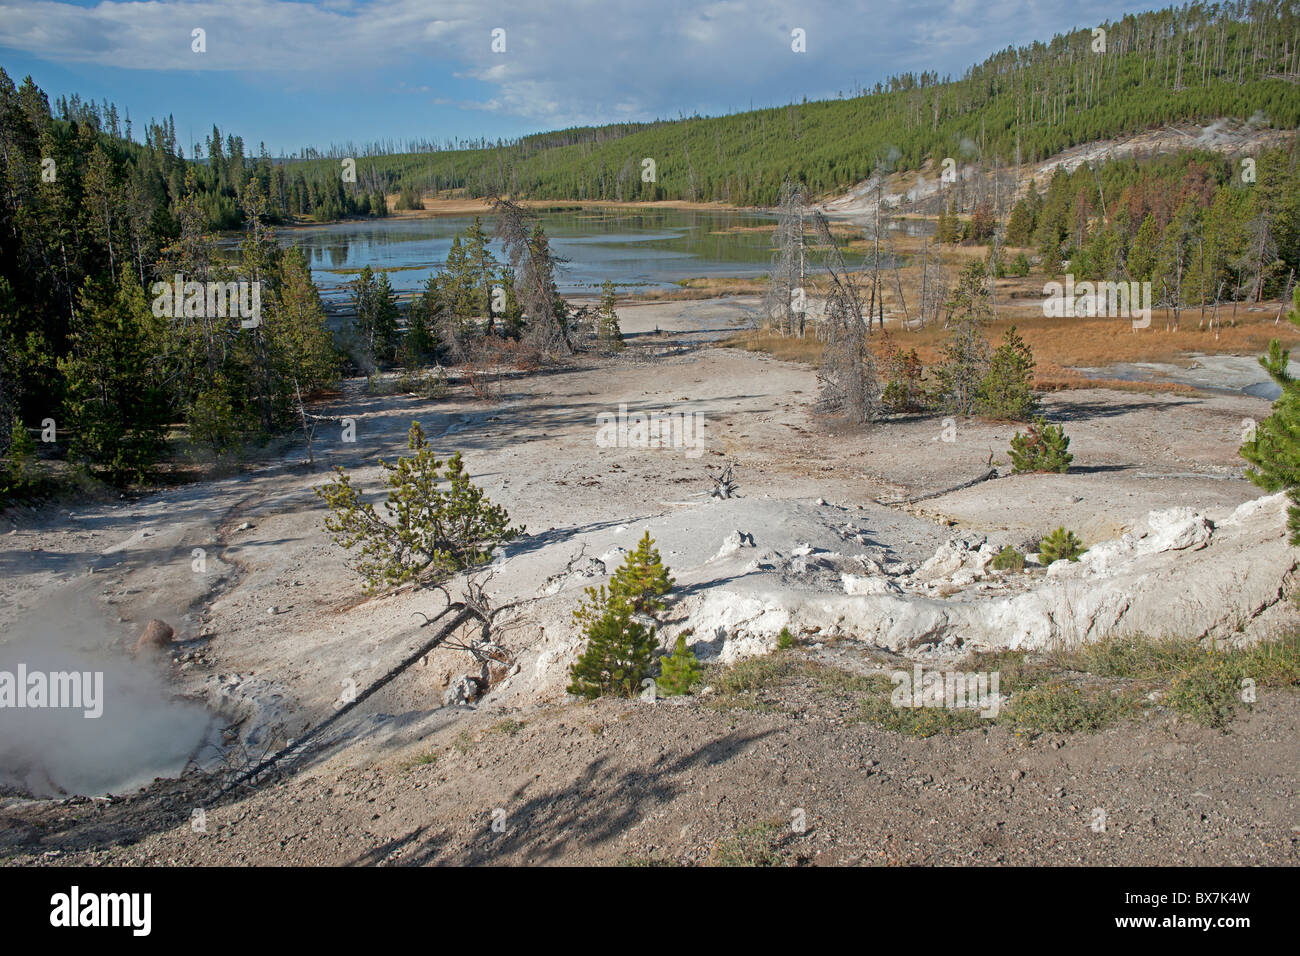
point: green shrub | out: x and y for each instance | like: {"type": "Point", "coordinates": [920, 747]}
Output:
{"type": "Point", "coordinates": [1008, 559]}
{"type": "Point", "coordinates": [877, 708]}
{"type": "Point", "coordinates": [1208, 692]}
{"type": "Point", "coordinates": [1042, 448]}
{"type": "Point", "coordinates": [1059, 707]}
{"type": "Point", "coordinates": [785, 640]}
{"type": "Point", "coordinates": [757, 845]}
{"type": "Point", "coordinates": [680, 670]}
{"type": "Point", "coordinates": [426, 384]}
{"type": "Point", "coordinates": [1060, 545]}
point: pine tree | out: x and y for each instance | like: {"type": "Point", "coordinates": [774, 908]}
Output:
{"type": "Point", "coordinates": [965, 356]}
{"type": "Point", "coordinates": [115, 406]}
{"type": "Point", "coordinates": [386, 318]}
{"type": "Point", "coordinates": [458, 294]}
{"type": "Point", "coordinates": [1023, 220]}
{"type": "Point", "coordinates": [1007, 391]}
{"type": "Point", "coordinates": [481, 268]}
{"type": "Point", "coordinates": [421, 338]}
{"type": "Point", "coordinates": [608, 334]}
{"type": "Point", "coordinates": [680, 670]}
{"type": "Point", "coordinates": [19, 472]}
{"type": "Point", "coordinates": [300, 340]}
{"type": "Point", "coordinates": [620, 649]}
{"type": "Point", "coordinates": [432, 531]}
{"type": "Point", "coordinates": [1042, 448]}
{"type": "Point", "coordinates": [1274, 450]}
{"type": "Point", "coordinates": [376, 315]}
{"type": "Point", "coordinates": [642, 580]}
{"type": "Point", "coordinates": [618, 656]}
{"type": "Point", "coordinates": [1142, 251]}
{"type": "Point", "coordinates": [1060, 545]}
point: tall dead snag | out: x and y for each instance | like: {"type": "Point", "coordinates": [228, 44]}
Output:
{"type": "Point", "coordinates": [785, 302]}
{"type": "Point", "coordinates": [529, 253]}
{"type": "Point", "coordinates": [308, 428]}
{"type": "Point", "coordinates": [849, 386]}
{"type": "Point", "coordinates": [934, 284]}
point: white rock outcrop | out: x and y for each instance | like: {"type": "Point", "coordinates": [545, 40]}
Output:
{"type": "Point", "coordinates": [1185, 575]}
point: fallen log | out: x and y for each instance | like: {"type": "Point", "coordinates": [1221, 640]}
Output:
{"type": "Point", "coordinates": [991, 473]}
{"type": "Point", "coordinates": [464, 613]}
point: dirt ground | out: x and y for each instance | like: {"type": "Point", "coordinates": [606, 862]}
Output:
{"type": "Point", "coordinates": [274, 624]}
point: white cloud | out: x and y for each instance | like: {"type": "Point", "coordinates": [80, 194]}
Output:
{"type": "Point", "coordinates": [565, 58]}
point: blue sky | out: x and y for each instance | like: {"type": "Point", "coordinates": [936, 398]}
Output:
{"type": "Point", "coordinates": [311, 72]}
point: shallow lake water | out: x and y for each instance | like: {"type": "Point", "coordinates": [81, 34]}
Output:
{"type": "Point", "coordinates": [636, 249]}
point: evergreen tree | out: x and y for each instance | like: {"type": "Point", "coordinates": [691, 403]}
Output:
{"type": "Point", "coordinates": [19, 473]}
{"type": "Point", "coordinates": [620, 650]}
{"type": "Point", "coordinates": [618, 656]}
{"type": "Point", "coordinates": [642, 580]}
{"type": "Point", "coordinates": [301, 344]}
{"type": "Point", "coordinates": [438, 521]}
{"type": "Point", "coordinates": [421, 339]}
{"type": "Point", "coordinates": [386, 319]}
{"type": "Point", "coordinates": [480, 271]}
{"type": "Point", "coordinates": [608, 334]}
{"type": "Point", "coordinates": [1023, 220]}
{"type": "Point", "coordinates": [680, 670]}
{"type": "Point", "coordinates": [965, 357]}
{"type": "Point", "coordinates": [1142, 252]}
{"type": "Point", "coordinates": [376, 315]}
{"type": "Point", "coordinates": [458, 291]}
{"type": "Point", "coordinates": [1007, 391]}
{"type": "Point", "coordinates": [1042, 448]}
{"type": "Point", "coordinates": [116, 408]}
{"type": "Point", "coordinates": [1274, 450]}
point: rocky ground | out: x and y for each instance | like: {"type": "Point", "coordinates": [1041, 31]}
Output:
{"type": "Point", "coordinates": [272, 630]}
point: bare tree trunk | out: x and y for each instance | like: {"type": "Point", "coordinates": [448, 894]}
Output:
{"type": "Point", "coordinates": [302, 413]}
{"type": "Point", "coordinates": [925, 270]}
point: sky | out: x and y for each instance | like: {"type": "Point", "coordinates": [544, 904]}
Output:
{"type": "Point", "coordinates": [290, 73]}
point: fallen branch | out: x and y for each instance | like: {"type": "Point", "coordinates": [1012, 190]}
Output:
{"type": "Point", "coordinates": [724, 483]}
{"type": "Point", "coordinates": [991, 473]}
{"type": "Point", "coordinates": [463, 614]}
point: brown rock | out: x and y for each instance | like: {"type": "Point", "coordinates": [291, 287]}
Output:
{"type": "Point", "coordinates": [156, 634]}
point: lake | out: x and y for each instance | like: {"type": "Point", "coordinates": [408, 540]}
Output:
{"type": "Point", "coordinates": [635, 249]}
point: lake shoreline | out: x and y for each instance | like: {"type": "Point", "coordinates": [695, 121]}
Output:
{"type": "Point", "coordinates": [447, 208]}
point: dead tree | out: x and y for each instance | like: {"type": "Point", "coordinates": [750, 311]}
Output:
{"type": "Point", "coordinates": [529, 254]}
{"type": "Point", "coordinates": [308, 429]}
{"type": "Point", "coordinates": [786, 298]}
{"type": "Point", "coordinates": [849, 387]}
{"type": "Point", "coordinates": [934, 283]}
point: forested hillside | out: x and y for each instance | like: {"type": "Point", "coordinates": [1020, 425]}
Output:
{"type": "Point", "coordinates": [1201, 62]}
